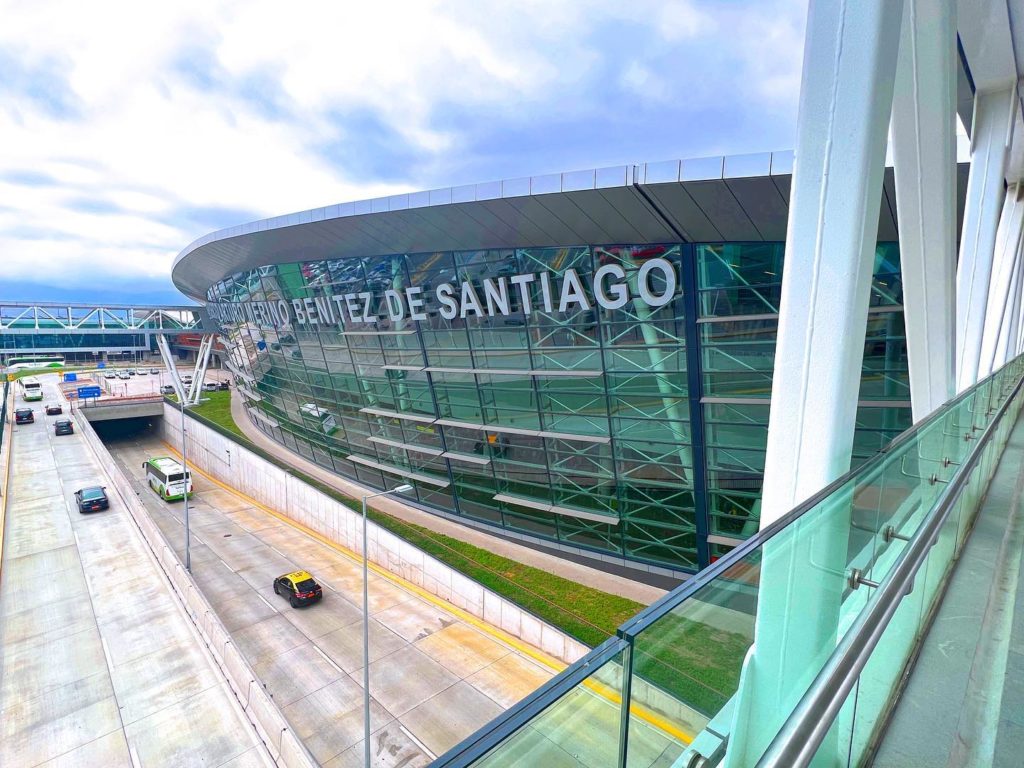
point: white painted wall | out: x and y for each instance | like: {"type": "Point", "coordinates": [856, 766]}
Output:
{"type": "Point", "coordinates": [240, 468]}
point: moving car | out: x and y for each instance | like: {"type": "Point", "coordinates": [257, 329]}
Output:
{"type": "Point", "coordinates": [92, 499]}
{"type": "Point", "coordinates": [166, 389]}
{"type": "Point", "coordinates": [63, 427]}
{"type": "Point", "coordinates": [24, 416]}
{"type": "Point", "coordinates": [299, 587]}
{"type": "Point", "coordinates": [54, 409]}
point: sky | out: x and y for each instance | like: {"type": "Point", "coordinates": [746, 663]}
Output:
{"type": "Point", "coordinates": [130, 129]}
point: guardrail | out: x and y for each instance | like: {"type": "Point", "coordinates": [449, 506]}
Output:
{"type": "Point", "coordinates": [780, 695]}
{"type": "Point", "coordinates": [284, 746]}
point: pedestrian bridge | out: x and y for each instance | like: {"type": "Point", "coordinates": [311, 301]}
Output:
{"type": "Point", "coordinates": [826, 637]}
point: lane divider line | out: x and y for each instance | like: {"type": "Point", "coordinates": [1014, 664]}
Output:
{"type": "Point", "coordinates": [639, 711]}
{"type": "Point", "coordinates": [417, 742]}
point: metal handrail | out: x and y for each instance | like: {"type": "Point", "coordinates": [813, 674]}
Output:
{"type": "Point", "coordinates": [478, 744]}
{"type": "Point", "coordinates": [797, 742]}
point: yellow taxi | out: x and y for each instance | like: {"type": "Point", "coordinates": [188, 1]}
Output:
{"type": "Point", "coordinates": [299, 587]}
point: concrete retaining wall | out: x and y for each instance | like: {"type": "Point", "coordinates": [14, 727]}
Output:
{"type": "Point", "coordinates": [286, 748]}
{"type": "Point", "coordinates": [240, 468]}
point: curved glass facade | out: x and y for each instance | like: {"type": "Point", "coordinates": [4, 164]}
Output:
{"type": "Point", "coordinates": [610, 398]}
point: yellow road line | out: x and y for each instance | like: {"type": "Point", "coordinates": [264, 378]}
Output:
{"type": "Point", "coordinates": [555, 665]}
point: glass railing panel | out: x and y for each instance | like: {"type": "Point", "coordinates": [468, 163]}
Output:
{"type": "Point", "coordinates": [854, 734]}
{"type": "Point", "coordinates": [702, 681]}
{"type": "Point", "coordinates": [579, 730]}
{"type": "Point", "coordinates": [881, 677]}
{"type": "Point", "coordinates": [686, 667]}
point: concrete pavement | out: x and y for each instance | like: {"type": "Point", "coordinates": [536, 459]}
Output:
{"type": "Point", "coordinates": [435, 676]}
{"type": "Point", "coordinates": [99, 664]}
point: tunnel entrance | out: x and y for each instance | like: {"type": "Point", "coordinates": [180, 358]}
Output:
{"type": "Point", "coordinates": [114, 431]}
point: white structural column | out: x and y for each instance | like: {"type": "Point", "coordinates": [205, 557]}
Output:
{"type": "Point", "coordinates": [846, 96]}
{"type": "Point", "coordinates": [1004, 264]}
{"type": "Point", "coordinates": [1016, 341]}
{"type": "Point", "coordinates": [1008, 328]}
{"type": "Point", "coordinates": [993, 112]}
{"type": "Point", "coordinates": [924, 155]}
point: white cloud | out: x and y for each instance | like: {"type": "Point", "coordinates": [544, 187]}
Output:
{"type": "Point", "coordinates": [145, 114]}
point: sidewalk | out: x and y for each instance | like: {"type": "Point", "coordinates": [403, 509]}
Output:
{"type": "Point", "coordinates": [581, 574]}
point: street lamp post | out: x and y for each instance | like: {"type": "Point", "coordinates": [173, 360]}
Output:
{"type": "Point", "coordinates": [184, 469]}
{"type": "Point", "coordinates": [366, 625]}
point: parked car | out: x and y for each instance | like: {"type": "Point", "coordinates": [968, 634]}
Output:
{"type": "Point", "coordinates": [166, 389]}
{"type": "Point", "coordinates": [92, 499]}
{"type": "Point", "coordinates": [224, 385]}
{"type": "Point", "coordinates": [155, 371]}
{"type": "Point", "coordinates": [130, 371]}
{"type": "Point", "coordinates": [210, 386]}
{"type": "Point", "coordinates": [54, 409]}
{"type": "Point", "coordinates": [299, 587]}
{"type": "Point", "coordinates": [24, 416]}
{"type": "Point", "coordinates": [123, 376]}
{"type": "Point", "coordinates": [141, 371]}
{"type": "Point", "coordinates": [109, 375]}
{"type": "Point", "coordinates": [63, 427]}
{"type": "Point", "coordinates": [186, 379]}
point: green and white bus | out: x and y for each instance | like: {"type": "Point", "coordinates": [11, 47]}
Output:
{"type": "Point", "coordinates": [33, 363]}
{"type": "Point", "coordinates": [168, 478]}
{"type": "Point", "coordinates": [31, 388]}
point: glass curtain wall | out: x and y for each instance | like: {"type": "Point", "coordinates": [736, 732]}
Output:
{"type": "Point", "coordinates": [571, 426]}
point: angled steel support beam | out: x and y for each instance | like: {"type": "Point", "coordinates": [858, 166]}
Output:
{"type": "Point", "coordinates": [846, 97]}
{"type": "Point", "coordinates": [993, 123]}
{"type": "Point", "coordinates": [924, 155]}
{"type": "Point", "coordinates": [172, 368]}
{"type": "Point", "coordinates": [1004, 265]}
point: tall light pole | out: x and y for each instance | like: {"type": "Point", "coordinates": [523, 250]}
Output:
{"type": "Point", "coordinates": [366, 625]}
{"type": "Point", "coordinates": [184, 469]}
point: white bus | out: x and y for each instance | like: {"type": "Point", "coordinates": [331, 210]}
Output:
{"type": "Point", "coordinates": [167, 478]}
{"type": "Point", "coordinates": [33, 363]}
{"type": "Point", "coordinates": [31, 389]}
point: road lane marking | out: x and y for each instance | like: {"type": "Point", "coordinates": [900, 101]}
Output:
{"type": "Point", "coordinates": [328, 659]}
{"type": "Point", "coordinates": [271, 607]}
{"type": "Point", "coordinates": [417, 742]}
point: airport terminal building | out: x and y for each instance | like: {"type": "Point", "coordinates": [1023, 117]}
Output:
{"type": "Point", "coordinates": [582, 361]}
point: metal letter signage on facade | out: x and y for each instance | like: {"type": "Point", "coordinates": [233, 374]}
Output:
{"type": "Point", "coordinates": [656, 284]}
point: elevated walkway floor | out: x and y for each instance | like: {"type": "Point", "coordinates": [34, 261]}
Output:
{"type": "Point", "coordinates": [99, 665]}
{"type": "Point", "coordinates": [964, 700]}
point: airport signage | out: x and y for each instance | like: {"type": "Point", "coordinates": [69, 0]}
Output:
{"type": "Point", "coordinates": [655, 283]}
{"type": "Point", "coordinates": [86, 392]}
